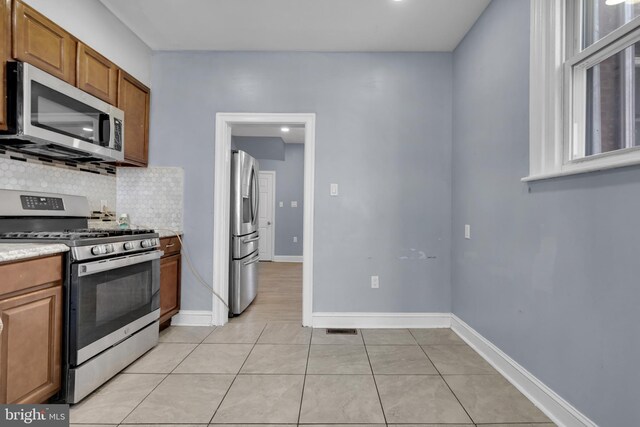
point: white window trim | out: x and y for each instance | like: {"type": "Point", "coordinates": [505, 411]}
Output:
{"type": "Point", "coordinates": [550, 85]}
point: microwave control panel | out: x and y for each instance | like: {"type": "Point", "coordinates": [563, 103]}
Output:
{"type": "Point", "coordinates": [37, 203]}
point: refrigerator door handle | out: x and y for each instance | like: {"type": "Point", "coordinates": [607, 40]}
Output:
{"type": "Point", "coordinates": [253, 260]}
{"type": "Point", "coordinates": [253, 239]}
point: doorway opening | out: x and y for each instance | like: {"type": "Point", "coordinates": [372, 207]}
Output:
{"type": "Point", "coordinates": [283, 147]}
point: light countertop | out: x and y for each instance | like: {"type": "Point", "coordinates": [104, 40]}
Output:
{"type": "Point", "coordinates": [18, 251]}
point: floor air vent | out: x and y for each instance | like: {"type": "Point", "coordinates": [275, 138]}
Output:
{"type": "Point", "coordinates": [336, 331]}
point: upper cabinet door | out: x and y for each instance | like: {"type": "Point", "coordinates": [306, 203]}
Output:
{"type": "Point", "coordinates": [5, 54]}
{"type": "Point", "coordinates": [42, 43]}
{"type": "Point", "coordinates": [97, 75]}
{"type": "Point", "coordinates": [133, 98]}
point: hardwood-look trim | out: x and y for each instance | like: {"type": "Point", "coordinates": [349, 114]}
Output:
{"type": "Point", "coordinates": [82, 72]}
{"type": "Point", "coordinates": [23, 275]}
{"type": "Point", "coordinates": [66, 70]}
{"type": "Point", "coordinates": [5, 55]}
{"type": "Point", "coordinates": [124, 76]}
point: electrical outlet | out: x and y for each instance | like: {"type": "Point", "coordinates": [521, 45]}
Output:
{"type": "Point", "coordinates": [334, 190]}
{"type": "Point", "coordinates": [375, 282]}
{"type": "Point", "coordinates": [295, 239]}
{"type": "Point", "coordinates": [467, 231]}
{"type": "Point", "coordinates": [294, 203]}
{"type": "Point", "coordinates": [281, 204]}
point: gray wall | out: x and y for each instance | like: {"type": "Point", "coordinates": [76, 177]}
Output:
{"type": "Point", "coordinates": [289, 186]}
{"type": "Point", "coordinates": [383, 132]}
{"type": "Point", "coordinates": [259, 147]}
{"type": "Point", "coordinates": [288, 164]}
{"type": "Point", "coordinates": [551, 273]}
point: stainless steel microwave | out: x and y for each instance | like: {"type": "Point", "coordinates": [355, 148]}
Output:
{"type": "Point", "coordinates": [49, 117]}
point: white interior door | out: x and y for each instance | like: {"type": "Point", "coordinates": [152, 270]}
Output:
{"type": "Point", "coordinates": [266, 209]}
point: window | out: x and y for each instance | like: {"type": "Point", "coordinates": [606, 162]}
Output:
{"type": "Point", "coordinates": [585, 86]}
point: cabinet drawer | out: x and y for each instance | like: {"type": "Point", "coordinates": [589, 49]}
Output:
{"type": "Point", "coordinates": [22, 275]}
{"type": "Point", "coordinates": [170, 245]}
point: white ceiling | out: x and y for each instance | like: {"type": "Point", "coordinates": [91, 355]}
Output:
{"type": "Point", "coordinates": [294, 136]}
{"type": "Point", "coordinates": [300, 25]}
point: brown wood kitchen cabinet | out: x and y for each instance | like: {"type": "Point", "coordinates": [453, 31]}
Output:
{"type": "Point", "coordinates": [170, 271]}
{"type": "Point", "coordinates": [5, 55]}
{"type": "Point", "coordinates": [31, 338]}
{"type": "Point", "coordinates": [133, 99]}
{"type": "Point", "coordinates": [96, 74]}
{"type": "Point", "coordinates": [42, 43]}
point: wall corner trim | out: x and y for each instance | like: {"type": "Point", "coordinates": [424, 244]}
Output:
{"type": "Point", "coordinates": [381, 320]}
{"type": "Point", "coordinates": [287, 258]}
{"type": "Point", "coordinates": [193, 318]}
{"type": "Point", "coordinates": [555, 407]}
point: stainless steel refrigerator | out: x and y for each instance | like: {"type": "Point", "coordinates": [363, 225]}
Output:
{"type": "Point", "coordinates": [243, 271]}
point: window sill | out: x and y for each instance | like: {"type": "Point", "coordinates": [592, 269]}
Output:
{"type": "Point", "coordinates": [586, 166]}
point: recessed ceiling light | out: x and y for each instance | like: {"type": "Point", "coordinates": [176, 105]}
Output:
{"type": "Point", "coordinates": [285, 129]}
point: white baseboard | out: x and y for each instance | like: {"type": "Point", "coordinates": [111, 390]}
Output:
{"type": "Point", "coordinates": [287, 258]}
{"type": "Point", "coordinates": [555, 407]}
{"type": "Point", "coordinates": [381, 320]}
{"type": "Point", "coordinates": [192, 318]}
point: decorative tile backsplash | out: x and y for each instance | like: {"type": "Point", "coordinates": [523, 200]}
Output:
{"type": "Point", "coordinates": [153, 197]}
{"type": "Point", "coordinates": [34, 176]}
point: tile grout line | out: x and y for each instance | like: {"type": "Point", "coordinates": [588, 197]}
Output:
{"type": "Point", "coordinates": [163, 380]}
{"type": "Point", "coordinates": [237, 374]}
{"type": "Point", "coordinates": [304, 379]}
{"type": "Point", "coordinates": [375, 383]}
{"type": "Point", "coordinates": [445, 381]}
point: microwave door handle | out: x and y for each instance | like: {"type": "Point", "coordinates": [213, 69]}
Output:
{"type": "Point", "coordinates": [111, 264]}
{"type": "Point", "coordinates": [105, 131]}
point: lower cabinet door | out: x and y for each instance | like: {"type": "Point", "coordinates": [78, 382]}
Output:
{"type": "Point", "coordinates": [30, 346]}
{"type": "Point", "coordinates": [170, 270]}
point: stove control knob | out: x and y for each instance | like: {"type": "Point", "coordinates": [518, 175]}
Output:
{"type": "Point", "coordinates": [109, 248]}
{"type": "Point", "coordinates": [128, 246]}
{"type": "Point", "coordinates": [99, 250]}
{"type": "Point", "coordinates": [147, 243]}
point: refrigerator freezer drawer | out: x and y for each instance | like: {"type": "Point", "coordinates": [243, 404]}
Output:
{"type": "Point", "coordinates": [244, 282]}
{"type": "Point", "coordinates": [245, 245]}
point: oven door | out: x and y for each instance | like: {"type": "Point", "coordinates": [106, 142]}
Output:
{"type": "Point", "coordinates": [110, 300]}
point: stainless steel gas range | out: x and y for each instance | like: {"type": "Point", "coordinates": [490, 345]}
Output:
{"type": "Point", "coordinates": [112, 285]}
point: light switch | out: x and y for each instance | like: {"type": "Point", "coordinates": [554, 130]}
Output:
{"type": "Point", "coordinates": [281, 204]}
{"type": "Point", "coordinates": [294, 203]}
{"type": "Point", "coordinates": [295, 239]}
{"type": "Point", "coordinates": [467, 231]}
{"type": "Point", "coordinates": [334, 189]}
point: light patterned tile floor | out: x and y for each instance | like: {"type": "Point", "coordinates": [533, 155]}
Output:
{"type": "Point", "coordinates": [265, 369]}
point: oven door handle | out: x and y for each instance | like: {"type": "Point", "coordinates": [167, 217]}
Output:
{"type": "Point", "coordinates": [112, 264]}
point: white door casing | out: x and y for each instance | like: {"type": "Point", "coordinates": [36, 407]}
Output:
{"type": "Point", "coordinates": [221, 201]}
{"type": "Point", "coordinates": [266, 216]}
